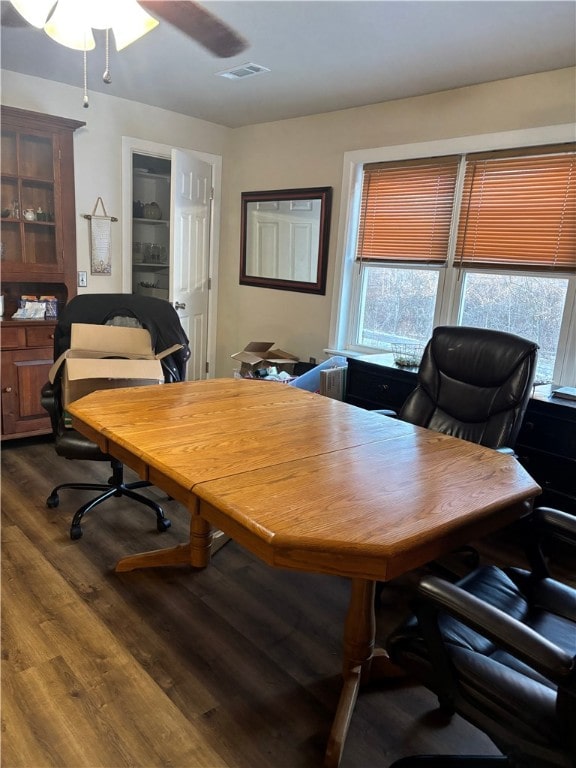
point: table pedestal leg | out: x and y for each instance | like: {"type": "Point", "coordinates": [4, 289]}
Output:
{"type": "Point", "coordinates": [195, 553]}
{"type": "Point", "coordinates": [359, 630]}
{"type": "Point", "coordinates": [200, 541]}
{"type": "Point", "coordinates": [178, 555]}
{"type": "Point", "coordinates": [362, 664]}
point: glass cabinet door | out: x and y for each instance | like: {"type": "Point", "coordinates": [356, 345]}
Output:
{"type": "Point", "coordinates": [28, 204]}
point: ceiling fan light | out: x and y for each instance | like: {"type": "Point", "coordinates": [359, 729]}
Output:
{"type": "Point", "coordinates": [131, 22]}
{"type": "Point", "coordinates": [34, 11]}
{"type": "Point", "coordinates": [68, 26]}
{"type": "Point", "coordinates": [100, 14]}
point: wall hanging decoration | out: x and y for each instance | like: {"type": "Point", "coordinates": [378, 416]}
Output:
{"type": "Point", "coordinates": [100, 240]}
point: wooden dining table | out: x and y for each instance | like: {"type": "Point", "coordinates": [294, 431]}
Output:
{"type": "Point", "coordinates": [309, 483]}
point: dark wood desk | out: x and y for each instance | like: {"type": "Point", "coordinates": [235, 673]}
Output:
{"type": "Point", "coordinates": [307, 483]}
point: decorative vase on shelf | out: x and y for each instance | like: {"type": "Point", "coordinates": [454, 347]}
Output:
{"type": "Point", "coordinates": [152, 211]}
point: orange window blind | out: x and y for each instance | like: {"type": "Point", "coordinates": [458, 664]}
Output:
{"type": "Point", "coordinates": [406, 210]}
{"type": "Point", "coordinates": [519, 209]}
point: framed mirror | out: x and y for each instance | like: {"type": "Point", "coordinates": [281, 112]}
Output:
{"type": "Point", "coordinates": [284, 239]}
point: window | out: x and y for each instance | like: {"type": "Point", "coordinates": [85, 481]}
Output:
{"type": "Point", "coordinates": [484, 239]}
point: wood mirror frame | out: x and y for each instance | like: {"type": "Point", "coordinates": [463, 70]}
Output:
{"type": "Point", "coordinates": [284, 239]}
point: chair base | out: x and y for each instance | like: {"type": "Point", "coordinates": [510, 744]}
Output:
{"type": "Point", "coordinates": [115, 487]}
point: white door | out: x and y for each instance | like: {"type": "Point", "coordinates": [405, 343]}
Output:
{"type": "Point", "coordinates": [190, 253]}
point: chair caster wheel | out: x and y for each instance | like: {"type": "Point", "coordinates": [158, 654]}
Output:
{"type": "Point", "coordinates": [163, 525]}
{"type": "Point", "coordinates": [52, 502]}
{"type": "Point", "coordinates": [75, 532]}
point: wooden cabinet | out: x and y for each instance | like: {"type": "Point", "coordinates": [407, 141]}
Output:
{"type": "Point", "coordinates": [26, 359]}
{"type": "Point", "coordinates": [38, 254]}
{"type": "Point", "coordinates": [546, 444]}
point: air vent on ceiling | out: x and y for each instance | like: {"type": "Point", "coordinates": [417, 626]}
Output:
{"type": "Point", "coordinates": [242, 71]}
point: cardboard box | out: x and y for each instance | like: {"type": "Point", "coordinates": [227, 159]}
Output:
{"type": "Point", "coordinates": [259, 354]}
{"type": "Point", "coordinates": [82, 376]}
{"type": "Point", "coordinates": [107, 357]}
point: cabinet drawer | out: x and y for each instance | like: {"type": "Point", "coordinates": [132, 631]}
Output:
{"type": "Point", "coordinates": [549, 433]}
{"type": "Point", "coordinates": [551, 472]}
{"type": "Point", "coordinates": [374, 387]}
{"type": "Point", "coordinates": [42, 336]}
{"type": "Point", "coordinates": [13, 338]}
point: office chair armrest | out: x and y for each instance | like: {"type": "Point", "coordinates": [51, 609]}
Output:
{"type": "Point", "coordinates": [499, 627]}
{"type": "Point", "coordinates": [558, 524]}
{"type": "Point", "coordinates": [544, 527]}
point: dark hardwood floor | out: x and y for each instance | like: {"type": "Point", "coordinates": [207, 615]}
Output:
{"type": "Point", "coordinates": [236, 666]}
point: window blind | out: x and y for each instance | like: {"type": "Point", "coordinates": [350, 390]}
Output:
{"type": "Point", "coordinates": [519, 209]}
{"type": "Point", "coordinates": [406, 210]}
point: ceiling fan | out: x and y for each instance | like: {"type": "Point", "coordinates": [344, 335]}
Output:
{"type": "Point", "coordinates": [199, 24]}
{"type": "Point", "coordinates": [189, 17]}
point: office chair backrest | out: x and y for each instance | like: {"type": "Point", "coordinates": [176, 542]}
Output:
{"type": "Point", "coordinates": [156, 315]}
{"type": "Point", "coordinates": [474, 384]}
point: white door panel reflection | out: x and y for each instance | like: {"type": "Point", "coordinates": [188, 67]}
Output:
{"type": "Point", "coordinates": [285, 239]}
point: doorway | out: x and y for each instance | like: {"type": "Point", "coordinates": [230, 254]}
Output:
{"type": "Point", "coordinates": [171, 214]}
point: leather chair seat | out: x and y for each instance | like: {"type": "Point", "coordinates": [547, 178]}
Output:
{"type": "Point", "coordinates": [485, 672]}
{"type": "Point", "coordinates": [72, 445]}
{"type": "Point", "coordinates": [513, 673]}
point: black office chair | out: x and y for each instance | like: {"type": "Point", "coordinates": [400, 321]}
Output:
{"type": "Point", "coordinates": [162, 322]}
{"type": "Point", "coordinates": [473, 383]}
{"type": "Point", "coordinates": [499, 649]}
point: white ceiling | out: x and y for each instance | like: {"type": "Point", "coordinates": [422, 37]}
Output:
{"type": "Point", "coordinates": [323, 55]}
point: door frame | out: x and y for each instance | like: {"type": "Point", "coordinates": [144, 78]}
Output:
{"type": "Point", "coordinates": [130, 146]}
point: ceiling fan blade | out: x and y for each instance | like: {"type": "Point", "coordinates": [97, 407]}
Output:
{"type": "Point", "coordinates": [199, 24]}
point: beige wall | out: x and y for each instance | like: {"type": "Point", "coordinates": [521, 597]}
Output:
{"type": "Point", "coordinates": [291, 153]}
